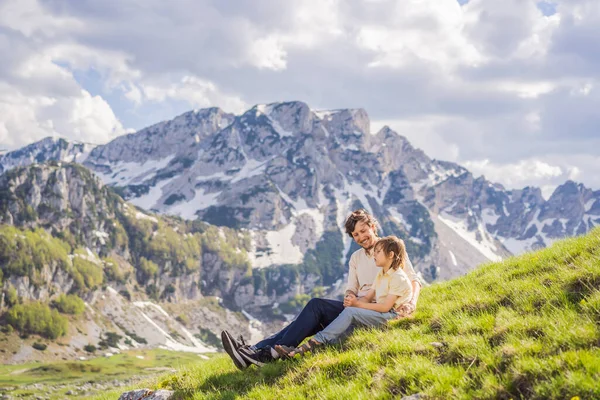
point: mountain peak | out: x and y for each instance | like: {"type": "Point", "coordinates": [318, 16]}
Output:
{"type": "Point", "coordinates": [49, 148]}
{"type": "Point", "coordinates": [286, 118]}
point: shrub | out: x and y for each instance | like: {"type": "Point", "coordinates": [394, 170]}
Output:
{"type": "Point", "coordinates": [111, 339]}
{"type": "Point", "coordinates": [183, 319]}
{"type": "Point", "coordinates": [90, 348]}
{"type": "Point", "coordinates": [152, 292]}
{"type": "Point", "coordinates": [39, 346]}
{"type": "Point", "coordinates": [8, 329]}
{"type": "Point", "coordinates": [209, 338]}
{"type": "Point", "coordinates": [113, 272]}
{"type": "Point", "coordinates": [86, 274]}
{"type": "Point", "coordinates": [295, 304]}
{"type": "Point", "coordinates": [70, 304]}
{"type": "Point", "coordinates": [37, 318]}
{"type": "Point", "coordinates": [125, 293]}
{"type": "Point", "coordinates": [148, 269]}
{"type": "Point", "coordinates": [23, 252]}
{"type": "Point", "coordinates": [132, 335]}
{"type": "Point", "coordinates": [11, 296]}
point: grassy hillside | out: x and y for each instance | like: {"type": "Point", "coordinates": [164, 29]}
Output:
{"type": "Point", "coordinates": [527, 327]}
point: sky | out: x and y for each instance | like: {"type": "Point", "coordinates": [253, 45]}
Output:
{"type": "Point", "coordinates": [510, 89]}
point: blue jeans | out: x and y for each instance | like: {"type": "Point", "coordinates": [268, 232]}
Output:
{"type": "Point", "coordinates": [315, 316]}
{"type": "Point", "coordinates": [353, 316]}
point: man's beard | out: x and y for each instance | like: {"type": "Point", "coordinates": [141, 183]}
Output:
{"type": "Point", "coordinates": [369, 250]}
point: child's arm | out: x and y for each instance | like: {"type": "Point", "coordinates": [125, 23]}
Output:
{"type": "Point", "coordinates": [349, 301]}
{"type": "Point", "coordinates": [379, 307]}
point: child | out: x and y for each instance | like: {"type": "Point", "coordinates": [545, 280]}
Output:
{"type": "Point", "coordinates": [391, 289]}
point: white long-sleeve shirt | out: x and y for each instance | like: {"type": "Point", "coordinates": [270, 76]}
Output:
{"type": "Point", "coordinates": [363, 271]}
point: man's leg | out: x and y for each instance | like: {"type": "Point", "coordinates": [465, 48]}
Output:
{"type": "Point", "coordinates": [271, 340]}
{"type": "Point", "coordinates": [316, 315]}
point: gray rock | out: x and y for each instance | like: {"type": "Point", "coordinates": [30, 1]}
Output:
{"type": "Point", "coordinates": [416, 396]}
{"type": "Point", "coordinates": [147, 394]}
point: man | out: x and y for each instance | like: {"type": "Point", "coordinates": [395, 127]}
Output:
{"type": "Point", "coordinates": [318, 313]}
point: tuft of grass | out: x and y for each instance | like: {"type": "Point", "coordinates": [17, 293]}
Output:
{"type": "Point", "coordinates": [526, 327]}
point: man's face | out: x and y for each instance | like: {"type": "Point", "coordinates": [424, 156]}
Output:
{"type": "Point", "coordinates": [364, 235]}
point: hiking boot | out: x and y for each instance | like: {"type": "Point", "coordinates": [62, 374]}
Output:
{"type": "Point", "coordinates": [232, 348]}
{"type": "Point", "coordinates": [257, 357]}
{"type": "Point", "coordinates": [236, 343]}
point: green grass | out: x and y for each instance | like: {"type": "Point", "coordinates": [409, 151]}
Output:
{"type": "Point", "coordinates": [75, 373]}
{"type": "Point", "coordinates": [527, 327]}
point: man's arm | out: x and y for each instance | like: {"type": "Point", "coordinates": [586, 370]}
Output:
{"type": "Point", "coordinates": [352, 286]}
{"type": "Point", "coordinates": [414, 280]}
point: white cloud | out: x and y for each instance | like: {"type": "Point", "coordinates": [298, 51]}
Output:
{"type": "Point", "coordinates": [431, 31]}
{"type": "Point", "coordinates": [517, 174]}
{"type": "Point", "coordinates": [490, 80]}
{"type": "Point", "coordinates": [29, 18]}
{"type": "Point", "coordinates": [196, 91]}
{"type": "Point", "coordinates": [546, 172]}
{"type": "Point", "coordinates": [28, 118]}
{"type": "Point", "coordinates": [267, 53]}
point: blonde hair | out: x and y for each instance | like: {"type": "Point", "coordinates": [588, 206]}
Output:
{"type": "Point", "coordinates": [393, 244]}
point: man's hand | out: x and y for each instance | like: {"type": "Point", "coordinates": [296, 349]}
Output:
{"type": "Point", "coordinates": [350, 300]}
{"type": "Point", "coordinates": [406, 310]}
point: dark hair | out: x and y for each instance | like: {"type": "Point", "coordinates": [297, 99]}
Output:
{"type": "Point", "coordinates": [393, 244]}
{"type": "Point", "coordinates": [356, 216]}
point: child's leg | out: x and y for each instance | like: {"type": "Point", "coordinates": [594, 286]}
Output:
{"type": "Point", "coordinates": [347, 317]}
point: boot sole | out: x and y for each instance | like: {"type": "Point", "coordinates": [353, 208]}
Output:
{"type": "Point", "coordinates": [232, 352]}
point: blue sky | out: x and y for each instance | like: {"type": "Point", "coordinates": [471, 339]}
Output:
{"type": "Point", "coordinates": [507, 88]}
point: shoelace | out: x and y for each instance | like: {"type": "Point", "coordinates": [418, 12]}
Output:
{"type": "Point", "coordinates": [241, 339]}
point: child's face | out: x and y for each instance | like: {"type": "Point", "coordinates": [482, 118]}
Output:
{"type": "Point", "coordinates": [381, 260]}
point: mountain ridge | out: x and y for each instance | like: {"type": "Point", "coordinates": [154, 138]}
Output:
{"type": "Point", "coordinates": [285, 170]}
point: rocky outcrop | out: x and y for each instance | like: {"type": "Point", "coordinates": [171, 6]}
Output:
{"type": "Point", "coordinates": [147, 394]}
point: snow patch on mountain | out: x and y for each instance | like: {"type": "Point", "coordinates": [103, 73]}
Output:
{"type": "Point", "coordinates": [453, 257]}
{"type": "Point", "coordinates": [361, 193]}
{"type": "Point", "coordinates": [489, 217]}
{"type": "Point", "coordinates": [325, 114]}
{"type": "Point", "coordinates": [518, 246]}
{"type": "Point", "coordinates": [588, 205]}
{"type": "Point", "coordinates": [200, 201]}
{"type": "Point", "coordinates": [149, 201]}
{"type": "Point", "coordinates": [267, 110]}
{"type": "Point", "coordinates": [169, 342]}
{"type": "Point", "coordinates": [399, 218]}
{"type": "Point", "coordinates": [485, 245]}
{"type": "Point", "coordinates": [127, 173]}
{"type": "Point", "coordinates": [251, 168]}
{"type": "Point", "coordinates": [342, 211]}
{"type": "Point", "coordinates": [281, 250]}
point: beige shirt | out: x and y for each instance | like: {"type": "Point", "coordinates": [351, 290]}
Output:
{"type": "Point", "coordinates": [393, 282]}
{"type": "Point", "coordinates": [363, 270]}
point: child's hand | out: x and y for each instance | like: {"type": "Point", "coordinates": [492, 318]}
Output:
{"type": "Point", "coordinates": [350, 300]}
